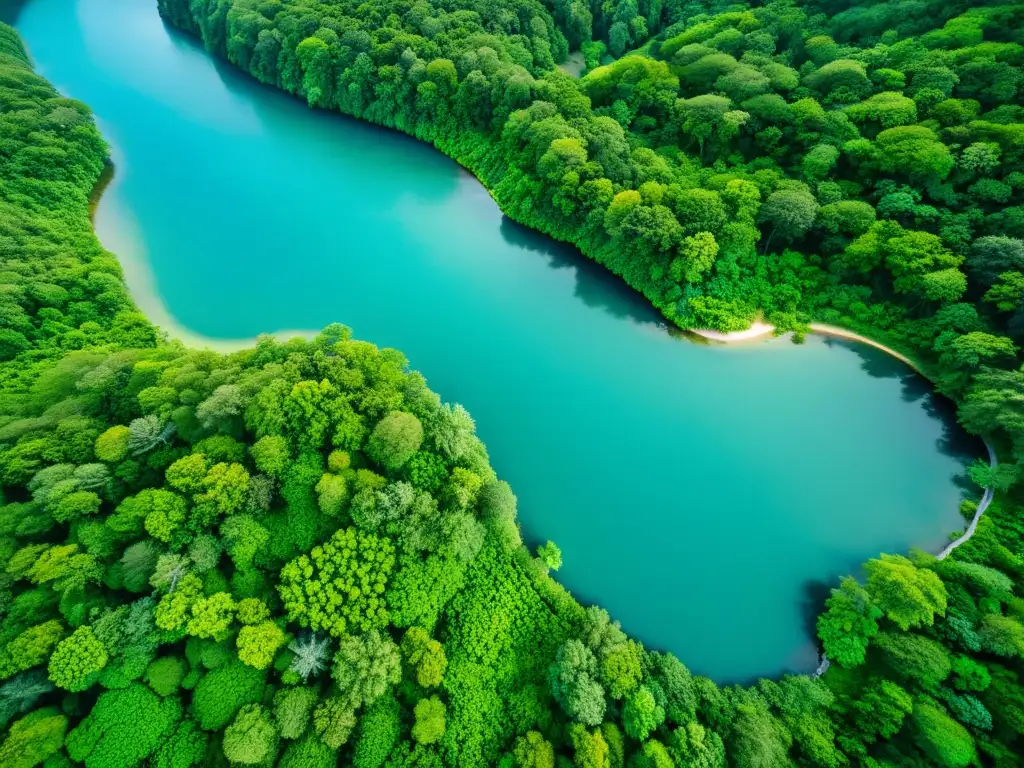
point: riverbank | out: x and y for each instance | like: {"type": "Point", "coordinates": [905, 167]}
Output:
{"type": "Point", "coordinates": [759, 331]}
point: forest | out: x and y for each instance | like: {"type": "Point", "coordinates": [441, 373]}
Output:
{"type": "Point", "coordinates": [299, 555]}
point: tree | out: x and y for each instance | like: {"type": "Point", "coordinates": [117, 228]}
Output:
{"type": "Point", "coordinates": [167, 513]}
{"type": "Point", "coordinates": [915, 151]}
{"type": "Point", "coordinates": [914, 657]}
{"type": "Point", "coordinates": [77, 661]}
{"type": "Point", "coordinates": [940, 737]}
{"type": "Point", "coordinates": [653, 754]}
{"type": "Point", "coordinates": [848, 623]}
{"type": "Point", "coordinates": [972, 349]}
{"type": "Point", "coordinates": [945, 285]}
{"type": "Point", "coordinates": [534, 751]}
{"type": "Point", "coordinates": [244, 538]}
{"type": "Point", "coordinates": [185, 747]}
{"type": "Point", "coordinates": [30, 647]}
{"type": "Point", "coordinates": [991, 256]}
{"type": "Point", "coordinates": [19, 695]}
{"type": "Point", "coordinates": [124, 727]}
{"type": "Point", "coordinates": [1002, 635]}
{"type": "Point", "coordinates": [365, 667]}
{"type": "Point", "coordinates": [697, 255]}
{"type": "Point", "coordinates": [429, 726]}
{"type": "Point", "coordinates": [146, 433]}
{"type": "Point", "coordinates": [425, 655]}
{"type": "Point", "coordinates": [676, 683]}
{"type": "Point", "coordinates": [709, 120]}
{"type": "Point", "coordinates": [589, 748]}
{"type": "Point", "coordinates": [223, 691]}
{"type": "Point", "coordinates": [188, 473]}
{"type": "Point", "coordinates": [908, 596]}
{"type": "Point", "coordinates": [574, 685]}
{"type": "Point", "coordinates": [314, 56]}
{"type": "Point", "coordinates": [970, 675]}
{"type": "Point", "coordinates": [395, 439]}
{"type": "Point", "coordinates": [308, 752]}
{"type": "Point", "coordinates": [1007, 293]}
{"type": "Point", "coordinates": [379, 730]}
{"type": "Point", "coordinates": [881, 710]}
{"type": "Point", "coordinates": [842, 76]}
{"type": "Point", "coordinates": [310, 656]}
{"type": "Point", "coordinates": [271, 455]}
{"type": "Point", "coordinates": [621, 668]}
{"type": "Point", "coordinates": [1000, 477]}
{"type": "Point", "coordinates": [340, 585]}
{"type": "Point", "coordinates": [257, 644]}
{"type": "Point", "coordinates": [252, 738]}
{"type": "Point", "coordinates": [221, 407]}
{"type": "Point", "coordinates": [819, 161]}
{"type": "Point", "coordinates": [332, 492]}
{"type": "Point", "coordinates": [452, 431]}
{"type": "Point", "coordinates": [427, 471]}
{"type": "Point", "coordinates": [292, 710]}
{"type": "Point", "coordinates": [550, 555]}
{"type": "Point", "coordinates": [211, 617]}
{"type": "Point", "coordinates": [225, 487]}
{"type": "Point", "coordinates": [334, 720]}
{"type": "Point", "coordinates": [76, 506]}
{"type": "Point", "coordinates": [789, 212]}
{"type": "Point", "coordinates": [164, 675]}
{"type": "Point", "coordinates": [112, 445]}
{"type": "Point", "coordinates": [641, 714]}
{"type": "Point", "coordinates": [757, 739]}
{"type": "Point", "coordinates": [33, 738]}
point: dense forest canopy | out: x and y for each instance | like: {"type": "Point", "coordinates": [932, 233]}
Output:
{"type": "Point", "coordinates": [298, 555]}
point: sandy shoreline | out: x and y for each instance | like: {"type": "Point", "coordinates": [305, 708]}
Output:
{"type": "Point", "coordinates": [760, 330]}
{"type": "Point", "coordinates": [756, 331]}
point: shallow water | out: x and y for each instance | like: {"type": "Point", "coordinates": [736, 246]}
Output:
{"type": "Point", "coordinates": [705, 496]}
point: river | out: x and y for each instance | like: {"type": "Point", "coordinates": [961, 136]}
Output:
{"type": "Point", "coordinates": [705, 496]}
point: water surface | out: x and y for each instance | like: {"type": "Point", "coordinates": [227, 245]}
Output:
{"type": "Point", "coordinates": [705, 496]}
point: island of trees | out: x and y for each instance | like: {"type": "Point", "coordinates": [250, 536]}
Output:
{"type": "Point", "coordinates": [299, 555]}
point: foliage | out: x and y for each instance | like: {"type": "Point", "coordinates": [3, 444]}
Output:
{"type": "Point", "coordinates": [853, 164]}
{"type": "Point", "coordinates": [340, 585]}
{"type": "Point", "coordinates": [365, 666]}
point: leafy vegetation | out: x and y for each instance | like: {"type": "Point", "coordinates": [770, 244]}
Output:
{"type": "Point", "coordinates": [297, 554]}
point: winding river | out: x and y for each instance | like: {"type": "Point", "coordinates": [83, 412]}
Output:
{"type": "Point", "coordinates": [705, 496]}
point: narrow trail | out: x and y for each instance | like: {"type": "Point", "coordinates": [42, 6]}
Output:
{"type": "Point", "coordinates": [982, 506]}
{"type": "Point", "coordinates": [842, 333]}
{"type": "Point", "coordinates": [986, 500]}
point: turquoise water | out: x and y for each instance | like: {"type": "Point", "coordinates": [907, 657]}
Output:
{"type": "Point", "coordinates": [705, 496]}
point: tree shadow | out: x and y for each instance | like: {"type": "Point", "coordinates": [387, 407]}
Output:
{"type": "Point", "coordinates": [596, 286]}
{"type": "Point", "coordinates": [813, 595]}
{"type": "Point", "coordinates": [395, 154]}
{"type": "Point", "coordinates": [881, 365]}
{"type": "Point", "coordinates": [10, 10]}
{"type": "Point", "coordinates": [915, 388]}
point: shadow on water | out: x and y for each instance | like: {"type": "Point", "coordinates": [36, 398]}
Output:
{"type": "Point", "coordinates": [812, 602]}
{"type": "Point", "coordinates": [279, 112]}
{"type": "Point", "coordinates": [954, 441]}
{"type": "Point", "coordinates": [9, 10]}
{"type": "Point", "coordinates": [803, 659]}
{"type": "Point", "coordinates": [596, 286]}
